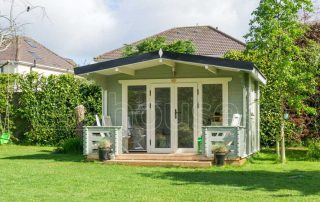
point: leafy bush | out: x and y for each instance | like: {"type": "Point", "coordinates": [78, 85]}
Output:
{"type": "Point", "coordinates": [42, 108]}
{"type": "Point", "coordinates": [47, 104]}
{"type": "Point", "coordinates": [154, 44]}
{"type": "Point", "coordinates": [71, 146]}
{"type": "Point", "coordinates": [314, 151]}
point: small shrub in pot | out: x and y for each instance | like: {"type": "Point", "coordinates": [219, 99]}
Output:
{"type": "Point", "coordinates": [105, 149]}
{"type": "Point", "coordinates": [220, 151]}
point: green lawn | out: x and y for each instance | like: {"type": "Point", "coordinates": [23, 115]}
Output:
{"type": "Point", "coordinates": [36, 174]}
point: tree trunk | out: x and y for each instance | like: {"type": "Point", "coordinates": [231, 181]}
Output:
{"type": "Point", "coordinates": [80, 114]}
{"type": "Point", "coordinates": [278, 149]}
{"type": "Point", "coordinates": [283, 147]}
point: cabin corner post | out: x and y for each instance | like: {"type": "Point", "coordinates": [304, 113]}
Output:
{"type": "Point", "coordinates": [207, 143]}
{"type": "Point", "coordinates": [258, 116]}
{"type": "Point", "coordinates": [86, 148]}
{"type": "Point", "coordinates": [238, 138]}
{"type": "Point", "coordinates": [118, 140]}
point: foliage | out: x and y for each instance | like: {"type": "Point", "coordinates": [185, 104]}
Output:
{"type": "Point", "coordinates": [314, 151]}
{"type": "Point", "coordinates": [47, 104]}
{"type": "Point", "coordinates": [7, 83]}
{"type": "Point", "coordinates": [219, 148]}
{"type": "Point", "coordinates": [270, 113]}
{"type": "Point", "coordinates": [105, 143]}
{"type": "Point", "coordinates": [71, 146]}
{"type": "Point", "coordinates": [43, 107]}
{"type": "Point", "coordinates": [154, 44]}
{"type": "Point", "coordinates": [274, 31]}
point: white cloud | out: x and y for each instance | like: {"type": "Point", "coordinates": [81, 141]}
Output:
{"type": "Point", "coordinates": [82, 29]}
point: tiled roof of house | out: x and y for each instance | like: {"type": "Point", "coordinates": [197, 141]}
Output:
{"type": "Point", "coordinates": [209, 41]}
{"type": "Point", "coordinates": [25, 49]}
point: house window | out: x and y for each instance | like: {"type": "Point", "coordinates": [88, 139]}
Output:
{"type": "Point", "coordinates": [30, 43]}
{"type": "Point", "coordinates": [137, 117]}
{"type": "Point", "coordinates": [212, 114]}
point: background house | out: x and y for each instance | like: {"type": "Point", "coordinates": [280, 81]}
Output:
{"type": "Point", "coordinates": [25, 55]}
{"type": "Point", "coordinates": [208, 41]}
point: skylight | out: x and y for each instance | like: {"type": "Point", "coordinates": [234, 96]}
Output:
{"type": "Point", "coordinates": [35, 56]}
{"type": "Point", "coordinates": [30, 43]}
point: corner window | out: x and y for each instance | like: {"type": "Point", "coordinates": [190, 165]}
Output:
{"type": "Point", "coordinates": [212, 114]}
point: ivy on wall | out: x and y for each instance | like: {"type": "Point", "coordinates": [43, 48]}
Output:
{"type": "Point", "coordinates": [44, 108]}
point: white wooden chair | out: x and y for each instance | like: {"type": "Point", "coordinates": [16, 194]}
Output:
{"type": "Point", "coordinates": [236, 120]}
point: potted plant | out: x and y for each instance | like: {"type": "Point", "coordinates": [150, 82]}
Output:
{"type": "Point", "coordinates": [220, 151]}
{"type": "Point", "coordinates": [105, 149]}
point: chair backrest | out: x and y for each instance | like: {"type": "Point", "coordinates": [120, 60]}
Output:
{"type": "Point", "coordinates": [236, 120]}
{"type": "Point", "coordinates": [106, 121]}
{"type": "Point", "coordinates": [98, 120]}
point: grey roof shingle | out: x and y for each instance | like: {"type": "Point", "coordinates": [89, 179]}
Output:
{"type": "Point", "coordinates": [25, 49]}
{"type": "Point", "coordinates": [208, 41]}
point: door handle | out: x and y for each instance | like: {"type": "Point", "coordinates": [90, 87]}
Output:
{"type": "Point", "coordinates": [175, 113]}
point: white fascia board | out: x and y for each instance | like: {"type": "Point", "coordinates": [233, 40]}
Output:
{"type": "Point", "coordinates": [258, 76]}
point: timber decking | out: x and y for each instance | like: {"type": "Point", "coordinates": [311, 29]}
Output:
{"type": "Point", "coordinates": [161, 163]}
{"type": "Point", "coordinates": [166, 160]}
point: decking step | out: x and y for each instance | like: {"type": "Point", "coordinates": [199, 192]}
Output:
{"type": "Point", "coordinates": [163, 157]}
{"type": "Point", "coordinates": [188, 164]}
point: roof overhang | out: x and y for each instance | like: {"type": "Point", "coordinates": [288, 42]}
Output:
{"type": "Point", "coordinates": [130, 64]}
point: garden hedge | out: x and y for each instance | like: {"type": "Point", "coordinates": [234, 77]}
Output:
{"type": "Point", "coordinates": [42, 109]}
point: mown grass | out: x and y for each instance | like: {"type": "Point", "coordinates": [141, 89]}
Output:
{"type": "Point", "coordinates": [38, 174]}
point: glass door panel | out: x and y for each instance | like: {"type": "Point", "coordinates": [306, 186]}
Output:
{"type": "Point", "coordinates": [162, 117]}
{"type": "Point", "coordinates": [184, 115]}
{"type": "Point", "coordinates": [137, 116]}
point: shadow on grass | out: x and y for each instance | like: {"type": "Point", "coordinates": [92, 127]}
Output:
{"type": "Point", "coordinates": [306, 182]}
{"type": "Point", "coordinates": [49, 155]}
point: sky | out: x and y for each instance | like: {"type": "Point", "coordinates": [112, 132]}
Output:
{"type": "Point", "coordinates": [83, 29]}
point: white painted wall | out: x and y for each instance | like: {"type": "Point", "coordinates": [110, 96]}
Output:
{"type": "Point", "coordinates": [24, 69]}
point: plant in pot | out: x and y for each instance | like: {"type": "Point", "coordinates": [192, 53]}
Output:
{"type": "Point", "coordinates": [220, 151]}
{"type": "Point", "coordinates": [105, 149]}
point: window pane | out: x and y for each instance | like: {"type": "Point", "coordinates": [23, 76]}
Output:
{"type": "Point", "coordinates": [212, 104]}
{"type": "Point", "coordinates": [137, 116]}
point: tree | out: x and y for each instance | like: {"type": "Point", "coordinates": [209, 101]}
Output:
{"type": "Point", "coordinates": [272, 37]}
{"type": "Point", "coordinates": [9, 26]}
{"type": "Point", "coordinates": [154, 44]}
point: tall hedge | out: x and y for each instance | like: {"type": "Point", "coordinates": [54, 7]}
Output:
{"type": "Point", "coordinates": [7, 85]}
{"type": "Point", "coordinates": [43, 108]}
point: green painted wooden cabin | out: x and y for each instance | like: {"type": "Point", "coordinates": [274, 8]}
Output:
{"type": "Point", "coordinates": [164, 102]}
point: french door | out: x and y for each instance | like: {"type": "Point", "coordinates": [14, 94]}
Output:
{"type": "Point", "coordinates": [173, 117]}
